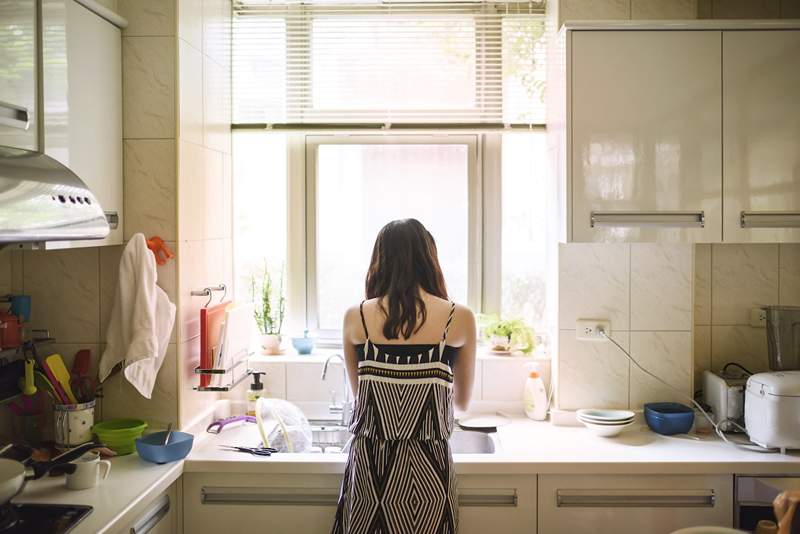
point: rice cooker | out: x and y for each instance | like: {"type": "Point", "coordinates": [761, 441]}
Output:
{"type": "Point", "coordinates": [772, 409]}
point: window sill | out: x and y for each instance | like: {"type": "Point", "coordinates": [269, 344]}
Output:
{"type": "Point", "coordinates": [321, 354]}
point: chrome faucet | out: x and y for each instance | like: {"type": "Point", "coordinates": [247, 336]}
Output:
{"type": "Point", "coordinates": [346, 408]}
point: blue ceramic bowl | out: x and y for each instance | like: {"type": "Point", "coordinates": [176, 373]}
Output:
{"type": "Point", "coordinates": [303, 345]}
{"type": "Point", "coordinates": [152, 448]}
{"type": "Point", "coordinates": [668, 418]}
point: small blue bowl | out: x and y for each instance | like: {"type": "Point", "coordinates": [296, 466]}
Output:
{"type": "Point", "coordinates": [668, 418]}
{"type": "Point", "coordinates": [152, 448]}
{"type": "Point", "coordinates": [303, 345]}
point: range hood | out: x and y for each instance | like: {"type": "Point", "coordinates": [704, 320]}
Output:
{"type": "Point", "coordinates": [42, 200]}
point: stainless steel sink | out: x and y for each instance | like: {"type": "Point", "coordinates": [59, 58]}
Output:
{"type": "Point", "coordinates": [329, 436]}
{"type": "Point", "coordinates": [470, 442]}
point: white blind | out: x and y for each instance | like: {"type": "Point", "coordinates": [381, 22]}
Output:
{"type": "Point", "coordinates": [390, 64]}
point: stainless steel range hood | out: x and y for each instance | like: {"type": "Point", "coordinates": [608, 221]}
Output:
{"type": "Point", "coordinates": [42, 200]}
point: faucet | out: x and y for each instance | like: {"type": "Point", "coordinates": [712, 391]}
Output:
{"type": "Point", "coordinates": [346, 408]}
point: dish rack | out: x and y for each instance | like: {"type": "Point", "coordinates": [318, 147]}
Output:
{"type": "Point", "coordinates": [234, 379]}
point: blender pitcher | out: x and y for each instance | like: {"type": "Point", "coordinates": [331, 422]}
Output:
{"type": "Point", "coordinates": [783, 337]}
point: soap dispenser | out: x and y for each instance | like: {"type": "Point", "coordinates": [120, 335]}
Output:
{"type": "Point", "coordinates": [255, 391]}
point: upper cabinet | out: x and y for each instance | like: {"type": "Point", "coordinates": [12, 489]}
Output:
{"type": "Point", "coordinates": [761, 132]}
{"type": "Point", "coordinates": [676, 133]}
{"type": "Point", "coordinates": [646, 136]}
{"type": "Point", "coordinates": [18, 64]}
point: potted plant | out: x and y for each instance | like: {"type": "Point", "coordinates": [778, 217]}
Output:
{"type": "Point", "coordinates": [270, 308]}
{"type": "Point", "coordinates": [508, 335]}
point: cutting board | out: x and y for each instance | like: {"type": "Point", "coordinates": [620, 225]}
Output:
{"type": "Point", "coordinates": [211, 320]}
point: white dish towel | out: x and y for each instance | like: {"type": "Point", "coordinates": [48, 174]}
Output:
{"type": "Point", "coordinates": [141, 320]}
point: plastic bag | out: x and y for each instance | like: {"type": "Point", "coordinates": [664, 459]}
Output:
{"type": "Point", "coordinates": [283, 425]}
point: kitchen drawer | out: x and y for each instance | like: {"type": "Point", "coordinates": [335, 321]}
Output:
{"type": "Point", "coordinates": [156, 516]}
{"type": "Point", "coordinates": [639, 504]}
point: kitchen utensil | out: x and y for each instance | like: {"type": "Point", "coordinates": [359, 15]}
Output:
{"type": "Point", "coordinates": [211, 320]}
{"type": "Point", "coordinates": [21, 307]}
{"type": "Point", "coordinates": [771, 408]}
{"type": "Point", "coordinates": [783, 337]}
{"type": "Point", "coordinates": [43, 384]}
{"type": "Point", "coordinates": [61, 396]}
{"type": "Point", "coordinates": [87, 471]}
{"type": "Point", "coordinates": [255, 451]}
{"type": "Point", "coordinates": [606, 431]}
{"type": "Point", "coordinates": [83, 388]}
{"type": "Point", "coordinates": [169, 432]}
{"type": "Point", "coordinates": [55, 363]}
{"type": "Point", "coordinates": [72, 424]}
{"type": "Point", "coordinates": [153, 447]}
{"type": "Point", "coordinates": [668, 418]}
{"type": "Point", "coordinates": [120, 434]}
{"type": "Point", "coordinates": [10, 330]}
{"type": "Point", "coordinates": [478, 422]}
{"type": "Point", "coordinates": [601, 415]}
{"type": "Point", "coordinates": [724, 394]}
{"type": "Point", "coordinates": [604, 423]}
{"type": "Point", "coordinates": [28, 387]}
{"type": "Point", "coordinates": [303, 345]}
{"type": "Point", "coordinates": [82, 363]}
{"type": "Point", "coordinates": [217, 426]}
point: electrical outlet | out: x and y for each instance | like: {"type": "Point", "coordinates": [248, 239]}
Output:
{"type": "Point", "coordinates": [758, 317]}
{"type": "Point", "coordinates": [589, 329]}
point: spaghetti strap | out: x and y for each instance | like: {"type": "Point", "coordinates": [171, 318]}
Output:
{"type": "Point", "coordinates": [449, 321]}
{"type": "Point", "coordinates": [363, 322]}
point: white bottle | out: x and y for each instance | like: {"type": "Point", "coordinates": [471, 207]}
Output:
{"type": "Point", "coordinates": [535, 397]}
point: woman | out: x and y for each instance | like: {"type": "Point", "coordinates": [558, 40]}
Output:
{"type": "Point", "coordinates": [410, 354]}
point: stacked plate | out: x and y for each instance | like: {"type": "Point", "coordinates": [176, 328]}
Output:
{"type": "Point", "coordinates": [605, 423]}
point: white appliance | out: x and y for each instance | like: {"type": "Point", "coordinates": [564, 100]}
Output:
{"type": "Point", "coordinates": [772, 409]}
{"type": "Point", "coordinates": [725, 395]}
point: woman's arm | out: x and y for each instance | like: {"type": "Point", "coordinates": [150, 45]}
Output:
{"type": "Point", "coordinates": [351, 317]}
{"type": "Point", "coordinates": [464, 372]}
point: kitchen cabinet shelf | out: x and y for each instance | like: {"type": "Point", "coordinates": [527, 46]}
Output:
{"type": "Point", "coordinates": [234, 380]}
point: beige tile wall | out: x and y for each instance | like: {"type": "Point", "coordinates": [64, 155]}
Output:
{"type": "Point", "coordinates": [730, 280]}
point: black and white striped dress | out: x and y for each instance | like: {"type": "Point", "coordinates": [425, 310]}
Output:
{"type": "Point", "coordinates": [399, 476]}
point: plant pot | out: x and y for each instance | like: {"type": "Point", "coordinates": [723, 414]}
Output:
{"type": "Point", "coordinates": [500, 344]}
{"type": "Point", "coordinates": [271, 343]}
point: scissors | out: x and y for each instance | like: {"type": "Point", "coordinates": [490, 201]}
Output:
{"type": "Point", "coordinates": [255, 451]}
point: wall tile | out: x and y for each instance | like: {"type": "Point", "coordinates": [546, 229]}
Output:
{"type": "Point", "coordinates": [705, 9]}
{"type": "Point", "coordinates": [702, 353]}
{"type": "Point", "coordinates": [218, 255]}
{"type": "Point", "coordinates": [5, 271]}
{"type": "Point", "coordinates": [744, 345]}
{"type": "Point", "coordinates": [789, 292]}
{"type": "Point", "coordinates": [109, 276]}
{"type": "Point", "coordinates": [702, 284]}
{"type": "Point", "coordinates": [192, 403]}
{"type": "Point", "coordinates": [217, 30]}
{"type": "Point", "coordinates": [790, 9]}
{"type": "Point", "coordinates": [661, 287]}
{"type": "Point", "coordinates": [477, 383]}
{"type": "Point", "coordinates": [745, 9]}
{"type": "Point", "coordinates": [304, 382]}
{"type": "Point", "coordinates": [148, 76]}
{"type": "Point", "coordinates": [590, 374]}
{"type": "Point", "coordinates": [594, 283]}
{"type": "Point", "coordinates": [150, 188]}
{"type": "Point", "coordinates": [192, 275]}
{"type": "Point", "coordinates": [274, 381]}
{"type": "Point", "coordinates": [214, 219]}
{"type": "Point", "coordinates": [64, 288]}
{"type": "Point", "coordinates": [191, 191]}
{"type": "Point", "coordinates": [148, 17]}
{"type": "Point", "coordinates": [190, 93]}
{"type": "Point", "coordinates": [190, 22]}
{"type": "Point", "coordinates": [504, 380]}
{"type": "Point", "coordinates": [744, 277]}
{"type": "Point", "coordinates": [217, 102]}
{"type": "Point", "coordinates": [17, 270]}
{"type": "Point", "coordinates": [594, 10]}
{"type": "Point", "coordinates": [226, 224]}
{"type": "Point", "coordinates": [668, 355]}
{"type": "Point", "coordinates": [664, 10]}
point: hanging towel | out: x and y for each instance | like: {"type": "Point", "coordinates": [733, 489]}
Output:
{"type": "Point", "coordinates": [141, 320]}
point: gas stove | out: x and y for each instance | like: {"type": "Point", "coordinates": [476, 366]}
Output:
{"type": "Point", "coordinates": [51, 518]}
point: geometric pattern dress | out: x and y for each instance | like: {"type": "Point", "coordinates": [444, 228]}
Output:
{"type": "Point", "coordinates": [399, 477]}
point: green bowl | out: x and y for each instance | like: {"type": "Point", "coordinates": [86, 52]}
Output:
{"type": "Point", "coordinates": [120, 435]}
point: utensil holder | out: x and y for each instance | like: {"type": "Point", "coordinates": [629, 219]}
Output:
{"type": "Point", "coordinates": [73, 424]}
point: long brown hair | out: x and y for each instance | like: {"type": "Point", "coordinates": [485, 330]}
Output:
{"type": "Point", "coordinates": [404, 260]}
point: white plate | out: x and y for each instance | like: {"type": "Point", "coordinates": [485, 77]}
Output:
{"type": "Point", "coordinates": [605, 423]}
{"type": "Point", "coordinates": [606, 431]}
{"type": "Point", "coordinates": [605, 415]}
{"type": "Point", "coordinates": [483, 421]}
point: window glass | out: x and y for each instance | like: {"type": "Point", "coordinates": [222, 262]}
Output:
{"type": "Point", "coordinates": [360, 188]}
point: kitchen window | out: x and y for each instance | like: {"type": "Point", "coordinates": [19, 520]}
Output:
{"type": "Point", "coordinates": [341, 126]}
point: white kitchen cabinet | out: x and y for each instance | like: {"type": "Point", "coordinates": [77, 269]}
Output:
{"type": "Point", "coordinates": [638, 504]}
{"type": "Point", "coordinates": [761, 131]}
{"type": "Point", "coordinates": [156, 516]}
{"type": "Point", "coordinates": [643, 134]}
{"type": "Point", "coordinates": [287, 504]}
{"type": "Point", "coordinates": [82, 72]}
{"type": "Point", "coordinates": [18, 109]}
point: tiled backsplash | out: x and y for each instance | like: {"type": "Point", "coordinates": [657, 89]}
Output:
{"type": "Point", "coordinates": [730, 280]}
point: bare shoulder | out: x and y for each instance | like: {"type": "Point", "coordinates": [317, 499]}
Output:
{"type": "Point", "coordinates": [351, 323]}
{"type": "Point", "coordinates": [464, 313]}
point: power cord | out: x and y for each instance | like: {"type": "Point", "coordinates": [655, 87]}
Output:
{"type": "Point", "coordinates": [752, 447]}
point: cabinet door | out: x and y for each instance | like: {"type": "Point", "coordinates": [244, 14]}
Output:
{"type": "Point", "coordinates": [18, 62]}
{"type": "Point", "coordinates": [497, 504]}
{"type": "Point", "coordinates": [645, 122]}
{"type": "Point", "coordinates": [633, 504]}
{"type": "Point", "coordinates": [761, 132]}
{"type": "Point", "coordinates": [158, 516]}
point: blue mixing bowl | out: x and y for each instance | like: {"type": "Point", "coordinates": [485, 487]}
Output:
{"type": "Point", "coordinates": [668, 418]}
{"type": "Point", "coordinates": [303, 345]}
{"type": "Point", "coordinates": [152, 448]}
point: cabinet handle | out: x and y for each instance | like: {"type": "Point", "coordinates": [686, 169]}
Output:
{"type": "Point", "coordinates": [152, 517]}
{"type": "Point", "coordinates": [635, 498]}
{"type": "Point", "coordinates": [770, 219]}
{"type": "Point", "coordinates": [487, 497]}
{"type": "Point", "coordinates": [14, 116]}
{"type": "Point", "coordinates": [664, 219]}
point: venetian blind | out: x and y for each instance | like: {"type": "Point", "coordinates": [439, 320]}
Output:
{"type": "Point", "coordinates": [386, 65]}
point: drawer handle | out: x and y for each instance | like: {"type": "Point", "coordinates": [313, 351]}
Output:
{"type": "Point", "coordinates": [487, 497]}
{"type": "Point", "coordinates": [152, 517]}
{"type": "Point", "coordinates": [635, 219]}
{"type": "Point", "coordinates": [14, 116]}
{"type": "Point", "coordinates": [635, 498]}
{"type": "Point", "coordinates": [770, 219]}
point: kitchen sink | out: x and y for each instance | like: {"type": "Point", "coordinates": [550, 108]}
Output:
{"type": "Point", "coordinates": [461, 442]}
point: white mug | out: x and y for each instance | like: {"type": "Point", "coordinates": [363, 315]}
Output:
{"type": "Point", "coordinates": [87, 471]}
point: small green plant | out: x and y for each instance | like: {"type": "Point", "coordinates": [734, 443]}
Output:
{"type": "Point", "coordinates": [514, 331]}
{"type": "Point", "coordinates": [270, 302]}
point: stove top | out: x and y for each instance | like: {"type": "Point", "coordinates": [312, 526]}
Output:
{"type": "Point", "coordinates": [51, 518]}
